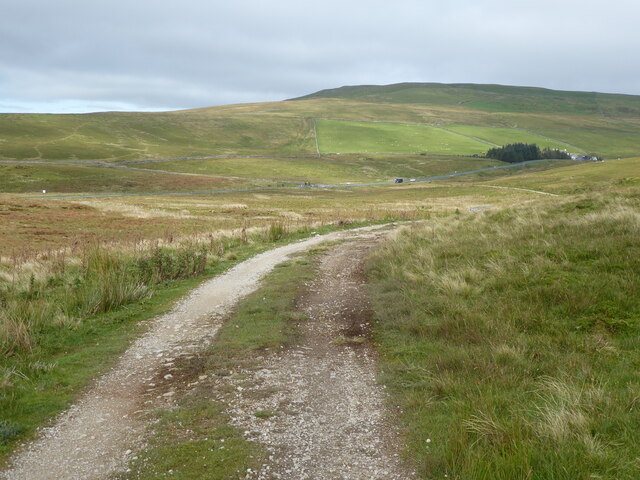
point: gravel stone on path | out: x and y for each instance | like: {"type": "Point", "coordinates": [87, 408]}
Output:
{"type": "Point", "coordinates": [328, 414]}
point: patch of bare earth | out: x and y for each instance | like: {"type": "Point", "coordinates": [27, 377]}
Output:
{"type": "Point", "coordinates": [316, 406]}
{"type": "Point", "coordinates": [106, 427]}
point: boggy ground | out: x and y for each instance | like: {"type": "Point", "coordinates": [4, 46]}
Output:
{"type": "Point", "coordinates": [322, 414]}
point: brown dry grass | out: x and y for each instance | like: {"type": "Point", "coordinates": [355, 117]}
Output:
{"type": "Point", "coordinates": [31, 227]}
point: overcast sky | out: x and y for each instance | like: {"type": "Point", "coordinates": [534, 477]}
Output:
{"type": "Point", "coordinates": [91, 55]}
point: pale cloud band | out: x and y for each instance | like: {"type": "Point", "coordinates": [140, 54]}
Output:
{"type": "Point", "coordinates": [74, 55]}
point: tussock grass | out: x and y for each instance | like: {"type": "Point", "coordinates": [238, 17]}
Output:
{"type": "Point", "coordinates": [276, 231]}
{"type": "Point", "coordinates": [105, 281]}
{"type": "Point", "coordinates": [511, 339]}
{"type": "Point", "coordinates": [60, 290]}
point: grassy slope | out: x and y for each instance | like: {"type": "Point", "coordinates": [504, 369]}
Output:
{"type": "Point", "coordinates": [599, 123]}
{"type": "Point", "coordinates": [492, 98]}
{"type": "Point", "coordinates": [140, 135]}
{"type": "Point", "coordinates": [32, 179]}
{"type": "Point", "coordinates": [614, 175]}
{"type": "Point", "coordinates": [330, 168]}
{"type": "Point", "coordinates": [511, 339]}
{"type": "Point", "coordinates": [351, 137]}
{"type": "Point", "coordinates": [595, 122]}
{"type": "Point", "coordinates": [504, 136]}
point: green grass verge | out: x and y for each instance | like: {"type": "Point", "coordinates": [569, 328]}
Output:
{"type": "Point", "coordinates": [194, 439]}
{"type": "Point", "coordinates": [39, 385]}
{"type": "Point", "coordinates": [512, 340]}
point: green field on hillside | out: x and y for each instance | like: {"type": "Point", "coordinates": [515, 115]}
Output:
{"type": "Point", "coordinates": [348, 137]}
{"type": "Point", "coordinates": [504, 136]}
{"type": "Point", "coordinates": [612, 141]}
{"type": "Point", "coordinates": [377, 137]}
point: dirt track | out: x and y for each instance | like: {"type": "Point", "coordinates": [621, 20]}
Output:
{"type": "Point", "coordinates": [330, 418]}
{"type": "Point", "coordinates": [97, 436]}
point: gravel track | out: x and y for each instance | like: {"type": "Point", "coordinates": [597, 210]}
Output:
{"type": "Point", "coordinates": [330, 417]}
{"type": "Point", "coordinates": [98, 435]}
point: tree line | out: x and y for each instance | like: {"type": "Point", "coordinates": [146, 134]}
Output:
{"type": "Point", "coordinates": [521, 152]}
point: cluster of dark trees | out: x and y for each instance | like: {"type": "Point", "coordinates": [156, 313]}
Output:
{"type": "Point", "coordinates": [521, 152]}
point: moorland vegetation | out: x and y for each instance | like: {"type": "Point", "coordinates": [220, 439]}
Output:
{"type": "Point", "coordinates": [509, 339]}
{"type": "Point", "coordinates": [507, 322]}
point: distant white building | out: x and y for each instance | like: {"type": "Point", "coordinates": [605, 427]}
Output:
{"type": "Point", "coordinates": [578, 157]}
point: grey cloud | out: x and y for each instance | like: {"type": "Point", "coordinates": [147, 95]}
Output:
{"type": "Point", "coordinates": [168, 54]}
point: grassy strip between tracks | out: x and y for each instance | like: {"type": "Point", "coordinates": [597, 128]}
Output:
{"type": "Point", "coordinates": [511, 340]}
{"type": "Point", "coordinates": [194, 439]}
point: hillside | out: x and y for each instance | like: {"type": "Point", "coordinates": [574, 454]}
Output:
{"type": "Point", "coordinates": [508, 337]}
{"type": "Point", "coordinates": [492, 98]}
{"type": "Point", "coordinates": [504, 318]}
{"type": "Point", "coordinates": [449, 119]}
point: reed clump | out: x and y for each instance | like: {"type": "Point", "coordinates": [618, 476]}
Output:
{"type": "Point", "coordinates": [104, 281]}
